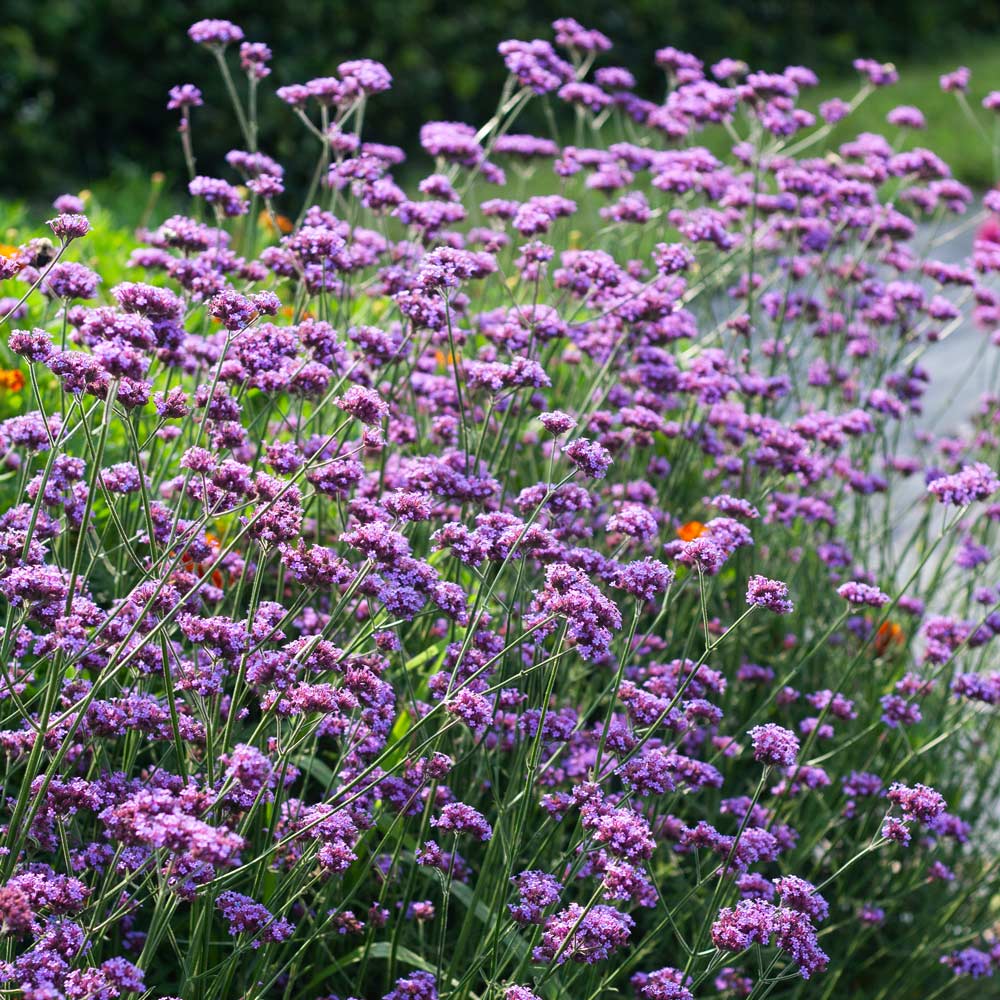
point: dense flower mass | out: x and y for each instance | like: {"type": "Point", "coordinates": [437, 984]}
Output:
{"type": "Point", "coordinates": [513, 572]}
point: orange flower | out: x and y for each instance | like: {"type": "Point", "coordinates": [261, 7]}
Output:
{"type": "Point", "coordinates": [6, 250]}
{"type": "Point", "coordinates": [218, 578]}
{"type": "Point", "coordinates": [289, 311]}
{"type": "Point", "coordinates": [690, 531]}
{"type": "Point", "coordinates": [11, 379]}
{"type": "Point", "coordinates": [889, 634]}
{"type": "Point", "coordinates": [276, 223]}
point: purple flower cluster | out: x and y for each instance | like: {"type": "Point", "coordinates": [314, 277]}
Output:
{"type": "Point", "coordinates": [774, 745]}
{"type": "Point", "coordinates": [244, 916]}
{"type": "Point", "coordinates": [586, 936]}
{"type": "Point", "coordinates": [770, 594]}
{"type": "Point", "coordinates": [974, 482]}
{"type": "Point", "coordinates": [758, 921]}
{"type": "Point", "coordinates": [855, 592]}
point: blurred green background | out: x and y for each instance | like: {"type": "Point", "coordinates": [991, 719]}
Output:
{"type": "Point", "coordinates": [83, 82]}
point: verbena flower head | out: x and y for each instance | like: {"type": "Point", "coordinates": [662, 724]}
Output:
{"type": "Point", "coordinates": [70, 226]}
{"type": "Point", "coordinates": [585, 936]}
{"type": "Point", "coordinates": [69, 204]}
{"type": "Point", "coordinates": [856, 592]}
{"type": "Point", "coordinates": [590, 458]}
{"type": "Point", "coordinates": [456, 817]}
{"type": "Point", "coordinates": [774, 745]}
{"type": "Point", "coordinates": [919, 802]}
{"type": "Point", "coordinates": [957, 80]}
{"type": "Point", "coordinates": [972, 962]}
{"type": "Point", "coordinates": [974, 482]}
{"type": "Point", "coordinates": [770, 594]}
{"type": "Point", "coordinates": [215, 32]}
{"type": "Point", "coordinates": [184, 96]}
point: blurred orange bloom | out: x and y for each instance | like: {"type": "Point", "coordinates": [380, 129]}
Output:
{"type": "Point", "coordinates": [277, 223]}
{"type": "Point", "coordinates": [218, 578]}
{"type": "Point", "coordinates": [690, 531]}
{"type": "Point", "coordinates": [11, 379]}
{"type": "Point", "coordinates": [889, 634]}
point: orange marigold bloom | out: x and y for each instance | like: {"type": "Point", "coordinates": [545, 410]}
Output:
{"type": "Point", "coordinates": [11, 379]}
{"type": "Point", "coordinates": [279, 223]}
{"type": "Point", "coordinates": [690, 531]}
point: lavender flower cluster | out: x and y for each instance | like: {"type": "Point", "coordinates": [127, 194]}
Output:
{"type": "Point", "coordinates": [489, 583]}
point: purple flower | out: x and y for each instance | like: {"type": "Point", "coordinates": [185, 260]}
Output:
{"type": "Point", "coordinates": [663, 984]}
{"type": "Point", "coordinates": [906, 116]}
{"type": "Point", "coordinates": [956, 80]}
{"type": "Point", "coordinates": [770, 594]}
{"type": "Point", "coordinates": [233, 310]}
{"type": "Point", "coordinates": [834, 110]}
{"type": "Point", "coordinates": [215, 32]}
{"type": "Point", "coordinates": [862, 593]}
{"type": "Point", "coordinates": [244, 916]}
{"type": "Point", "coordinates": [871, 916]}
{"type": "Point", "coordinates": [645, 579]}
{"type": "Point", "coordinates": [364, 404]}
{"type": "Point", "coordinates": [971, 962]}
{"type": "Point", "coordinates": [68, 204]}
{"type": "Point", "coordinates": [249, 774]}
{"type": "Point", "coordinates": [254, 57]}
{"type": "Point", "coordinates": [536, 890]}
{"type": "Point", "coordinates": [672, 258]}
{"type": "Point", "coordinates": [457, 817]}
{"type": "Point", "coordinates": [365, 76]}
{"type": "Point", "coordinates": [898, 711]}
{"type": "Point", "coordinates": [415, 986]}
{"type": "Point", "coordinates": [773, 745]}
{"type": "Point", "coordinates": [590, 617]}
{"type": "Point", "coordinates": [158, 304]}
{"type": "Point", "coordinates": [472, 708]}
{"type": "Point", "coordinates": [919, 802]}
{"type": "Point", "coordinates": [578, 935]}
{"type": "Point", "coordinates": [633, 520]}
{"type": "Point", "coordinates": [519, 993]}
{"type": "Point", "coordinates": [974, 482]}
{"type": "Point", "coordinates": [184, 96]}
{"type": "Point", "coordinates": [122, 478]}
{"type": "Point", "coordinates": [69, 280]}
{"type": "Point", "coordinates": [536, 65]}
{"type": "Point", "coordinates": [878, 74]}
{"type": "Point", "coordinates": [69, 226]}
{"type": "Point", "coordinates": [798, 894]}
{"type": "Point", "coordinates": [895, 829]}
{"type": "Point", "coordinates": [214, 191]}
{"type": "Point", "coordinates": [573, 35]}
{"type": "Point", "coordinates": [557, 422]}
{"type": "Point", "coordinates": [703, 553]}
{"type": "Point", "coordinates": [757, 921]}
